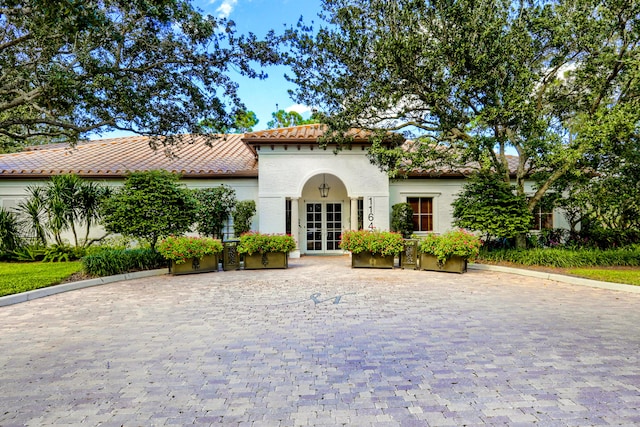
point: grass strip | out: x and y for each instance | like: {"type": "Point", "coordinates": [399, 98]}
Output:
{"type": "Point", "coordinates": [629, 277]}
{"type": "Point", "coordinates": [22, 277]}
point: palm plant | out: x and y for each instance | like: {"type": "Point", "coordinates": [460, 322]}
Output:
{"type": "Point", "coordinates": [89, 198]}
{"type": "Point", "coordinates": [62, 191]}
{"type": "Point", "coordinates": [32, 214]}
{"type": "Point", "coordinates": [9, 231]}
{"type": "Point", "coordinates": [65, 203]}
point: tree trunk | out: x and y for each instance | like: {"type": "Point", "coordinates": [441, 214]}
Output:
{"type": "Point", "coordinates": [521, 241]}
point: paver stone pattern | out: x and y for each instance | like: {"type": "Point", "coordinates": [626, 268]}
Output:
{"type": "Point", "coordinates": [325, 345]}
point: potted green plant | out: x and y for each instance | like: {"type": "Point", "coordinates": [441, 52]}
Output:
{"type": "Point", "coordinates": [372, 249]}
{"type": "Point", "coordinates": [265, 250]}
{"type": "Point", "coordinates": [190, 254]}
{"type": "Point", "coordinates": [449, 251]}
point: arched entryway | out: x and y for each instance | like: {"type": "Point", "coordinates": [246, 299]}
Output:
{"type": "Point", "coordinates": [324, 214]}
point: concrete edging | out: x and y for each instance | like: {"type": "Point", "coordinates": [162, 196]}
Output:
{"type": "Point", "coordinates": [65, 287]}
{"type": "Point", "coordinates": [559, 278]}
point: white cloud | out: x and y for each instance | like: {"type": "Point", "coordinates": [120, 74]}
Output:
{"type": "Point", "coordinates": [225, 8]}
{"type": "Point", "coordinates": [299, 108]}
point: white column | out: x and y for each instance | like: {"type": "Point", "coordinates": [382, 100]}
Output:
{"type": "Point", "coordinates": [354, 213]}
{"type": "Point", "coordinates": [295, 227]}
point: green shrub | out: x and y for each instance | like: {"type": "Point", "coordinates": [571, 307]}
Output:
{"type": "Point", "coordinates": [491, 206]}
{"type": "Point", "coordinates": [114, 242]}
{"type": "Point", "coordinates": [214, 207]}
{"type": "Point", "coordinates": [605, 238]}
{"type": "Point", "coordinates": [252, 243]}
{"type": "Point", "coordinates": [566, 257]}
{"type": "Point", "coordinates": [118, 261]}
{"type": "Point", "coordinates": [149, 206]}
{"type": "Point", "coordinates": [377, 242]}
{"type": "Point", "coordinates": [179, 249]}
{"type": "Point", "coordinates": [63, 252]}
{"type": "Point", "coordinates": [402, 219]}
{"type": "Point", "coordinates": [33, 252]}
{"type": "Point", "coordinates": [10, 238]}
{"type": "Point", "coordinates": [457, 242]}
{"type": "Point", "coordinates": [242, 214]}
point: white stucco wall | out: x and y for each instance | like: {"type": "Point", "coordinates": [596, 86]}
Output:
{"type": "Point", "coordinates": [297, 173]}
{"type": "Point", "coordinates": [443, 192]}
{"type": "Point", "coordinates": [14, 190]}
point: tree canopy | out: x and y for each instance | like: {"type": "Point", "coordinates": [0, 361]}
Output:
{"type": "Point", "coordinates": [553, 82]}
{"type": "Point", "coordinates": [152, 67]}
{"type": "Point", "coordinates": [488, 204]}
{"type": "Point", "coordinates": [243, 121]}
{"type": "Point", "coordinates": [284, 119]}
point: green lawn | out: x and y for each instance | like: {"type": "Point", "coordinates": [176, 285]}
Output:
{"type": "Point", "coordinates": [630, 277]}
{"type": "Point", "coordinates": [21, 277]}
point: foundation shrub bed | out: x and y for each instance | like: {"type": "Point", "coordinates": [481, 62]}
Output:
{"type": "Point", "coordinates": [118, 261]}
{"type": "Point", "coordinates": [565, 258]}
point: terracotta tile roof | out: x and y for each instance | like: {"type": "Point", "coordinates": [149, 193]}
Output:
{"type": "Point", "coordinates": [115, 157]}
{"type": "Point", "coordinates": [303, 133]}
{"type": "Point", "coordinates": [227, 157]}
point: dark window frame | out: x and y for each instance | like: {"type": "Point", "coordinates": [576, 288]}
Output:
{"type": "Point", "coordinates": [419, 216]}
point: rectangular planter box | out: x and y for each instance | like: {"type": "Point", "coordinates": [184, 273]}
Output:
{"type": "Point", "coordinates": [369, 260]}
{"type": "Point", "coordinates": [455, 264]}
{"type": "Point", "coordinates": [266, 260]}
{"type": "Point", "coordinates": [206, 264]}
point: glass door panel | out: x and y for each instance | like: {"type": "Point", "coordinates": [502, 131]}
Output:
{"type": "Point", "coordinates": [334, 226]}
{"type": "Point", "coordinates": [314, 226]}
{"type": "Point", "coordinates": [324, 227]}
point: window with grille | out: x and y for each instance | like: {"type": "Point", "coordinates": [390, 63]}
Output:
{"type": "Point", "coordinates": [287, 209]}
{"type": "Point", "coordinates": [422, 213]}
{"type": "Point", "coordinates": [542, 219]}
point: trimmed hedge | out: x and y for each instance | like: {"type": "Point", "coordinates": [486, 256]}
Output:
{"type": "Point", "coordinates": [118, 261]}
{"type": "Point", "coordinates": [566, 257]}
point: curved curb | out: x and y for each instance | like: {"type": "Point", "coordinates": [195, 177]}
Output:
{"type": "Point", "coordinates": [65, 287]}
{"type": "Point", "coordinates": [559, 278]}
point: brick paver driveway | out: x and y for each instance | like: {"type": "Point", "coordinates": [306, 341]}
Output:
{"type": "Point", "coordinates": [322, 344]}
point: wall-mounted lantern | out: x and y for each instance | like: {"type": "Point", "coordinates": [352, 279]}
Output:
{"type": "Point", "coordinates": [324, 188]}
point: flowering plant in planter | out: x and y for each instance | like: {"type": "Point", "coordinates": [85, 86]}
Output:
{"type": "Point", "coordinates": [179, 249]}
{"type": "Point", "coordinates": [254, 242]}
{"type": "Point", "coordinates": [444, 246]}
{"type": "Point", "coordinates": [377, 242]}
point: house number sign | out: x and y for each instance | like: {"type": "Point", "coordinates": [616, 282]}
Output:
{"type": "Point", "coordinates": [370, 216]}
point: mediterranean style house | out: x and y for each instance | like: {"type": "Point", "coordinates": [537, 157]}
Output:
{"type": "Point", "coordinates": [299, 188]}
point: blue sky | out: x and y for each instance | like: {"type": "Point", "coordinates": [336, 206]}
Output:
{"type": "Point", "coordinates": [260, 16]}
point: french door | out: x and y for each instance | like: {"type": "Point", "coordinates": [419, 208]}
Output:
{"type": "Point", "coordinates": [324, 227]}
